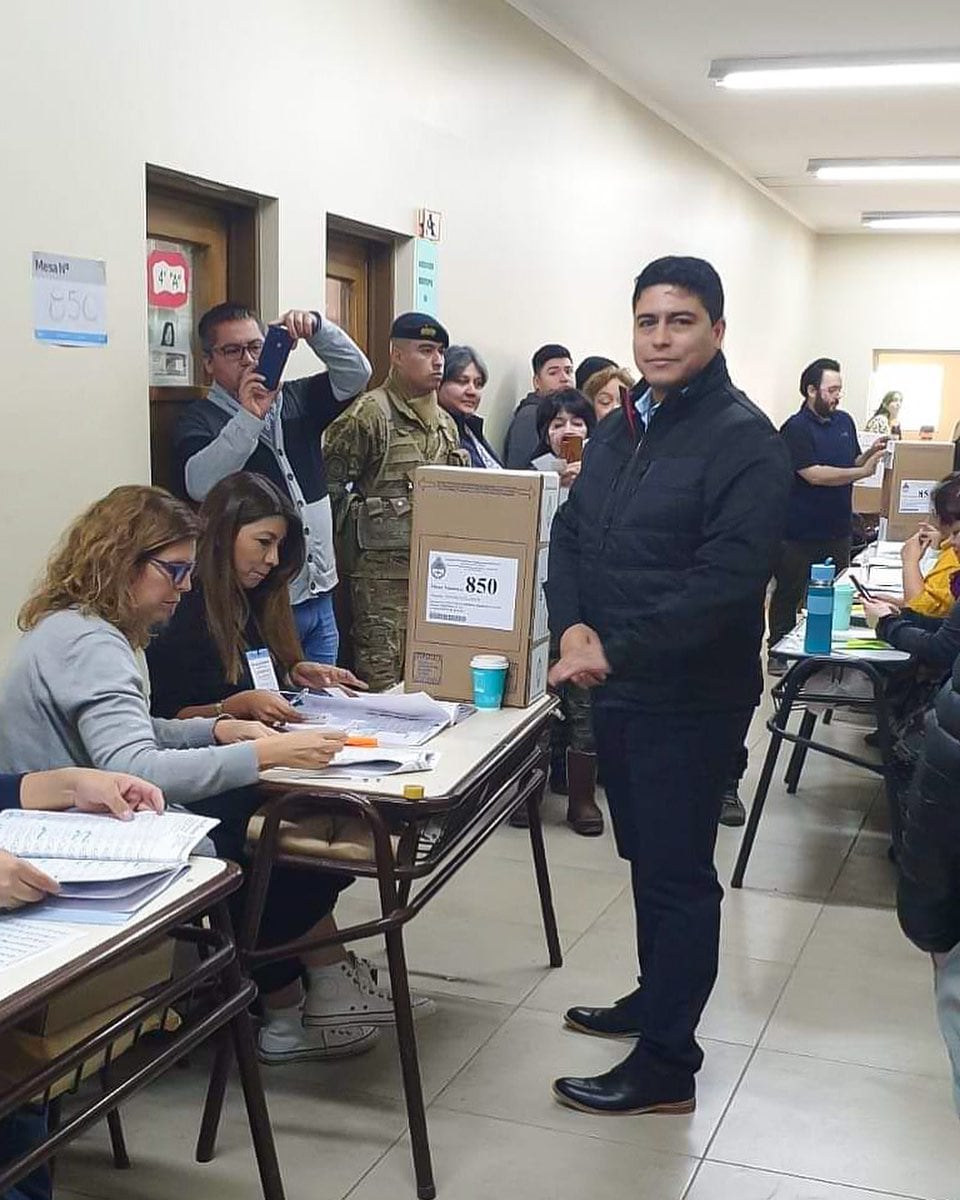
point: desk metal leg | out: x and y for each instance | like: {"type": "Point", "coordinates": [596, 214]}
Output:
{"type": "Point", "coordinates": [213, 1105]}
{"type": "Point", "coordinates": [534, 804]}
{"type": "Point", "coordinates": [756, 809]}
{"type": "Point", "coordinates": [409, 1064]}
{"type": "Point", "coordinates": [799, 755]}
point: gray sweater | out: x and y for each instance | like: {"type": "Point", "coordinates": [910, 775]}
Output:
{"type": "Point", "coordinates": [74, 696]}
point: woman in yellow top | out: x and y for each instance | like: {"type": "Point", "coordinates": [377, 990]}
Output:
{"type": "Point", "coordinates": [933, 595]}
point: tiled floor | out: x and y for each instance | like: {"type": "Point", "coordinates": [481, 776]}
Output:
{"type": "Point", "coordinates": [825, 1078]}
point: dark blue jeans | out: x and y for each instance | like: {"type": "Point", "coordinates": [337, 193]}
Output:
{"type": "Point", "coordinates": [20, 1132]}
{"type": "Point", "coordinates": [664, 775]}
{"type": "Point", "coordinates": [317, 627]}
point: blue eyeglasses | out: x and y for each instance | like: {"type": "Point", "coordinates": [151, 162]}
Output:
{"type": "Point", "coordinates": [176, 571]}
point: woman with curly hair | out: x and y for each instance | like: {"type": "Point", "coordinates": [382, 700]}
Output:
{"type": "Point", "coordinates": [77, 694]}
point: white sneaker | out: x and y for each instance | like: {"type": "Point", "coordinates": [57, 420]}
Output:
{"type": "Point", "coordinates": [346, 994]}
{"type": "Point", "coordinates": [283, 1039]}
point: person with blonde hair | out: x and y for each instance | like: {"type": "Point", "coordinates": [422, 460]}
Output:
{"type": "Point", "coordinates": [604, 389]}
{"type": "Point", "coordinates": [77, 694]}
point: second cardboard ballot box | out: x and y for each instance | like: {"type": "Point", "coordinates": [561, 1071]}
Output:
{"type": "Point", "coordinates": [478, 561]}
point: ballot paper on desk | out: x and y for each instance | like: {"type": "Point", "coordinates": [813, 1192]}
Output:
{"type": "Point", "coordinates": [360, 762]}
{"type": "Point", "coordinates": [394, 718]}
{"type": "Point", "coordinates": [107, 869]}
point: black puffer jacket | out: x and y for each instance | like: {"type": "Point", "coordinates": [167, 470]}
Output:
{"type": "Point", "coordinates": [928, 900]}
{"type": "Point", "coordinates": [667, 542]}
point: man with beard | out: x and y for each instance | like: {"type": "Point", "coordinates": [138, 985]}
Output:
{"type": "Point", "coordinates": [827, 462]}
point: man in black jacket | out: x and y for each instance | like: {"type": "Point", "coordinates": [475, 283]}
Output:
{"type": "Point", "coordinates": [658, 567]}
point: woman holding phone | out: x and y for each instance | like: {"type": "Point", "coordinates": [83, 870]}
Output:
{"type": "Point", "coordinates": [565, 419]}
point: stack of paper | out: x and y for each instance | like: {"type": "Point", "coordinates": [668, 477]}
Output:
{"type": "Point", "coordinates": [393, 718]}
{"type": "Point", "coordinates": [107, 869]}
{"type": "Point", "coordinates": [361, 762]}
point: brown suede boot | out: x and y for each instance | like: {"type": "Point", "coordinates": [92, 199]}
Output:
{"type": "Point", "coordinates": [582, 812]}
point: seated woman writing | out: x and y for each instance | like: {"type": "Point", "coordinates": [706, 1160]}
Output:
{"type": "Point", "coordinates": [251, 546]}
{"type": "Point", "coordinates": [77, 694]}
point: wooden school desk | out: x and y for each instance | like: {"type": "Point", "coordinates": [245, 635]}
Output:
{"type": "Point", "coordinates": [222, 1000]}
{"type": "Point", "coordinates": [489, 765]}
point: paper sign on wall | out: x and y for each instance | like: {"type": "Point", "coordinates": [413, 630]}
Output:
{"type": "Point", "coordinates": [69, 300]}
{"type": "Point", "coordinates": [475, 590]}
{"type": "Point", "coordinates": [915, 495]}
{"type": "Point", "coordinates": [425, 276]}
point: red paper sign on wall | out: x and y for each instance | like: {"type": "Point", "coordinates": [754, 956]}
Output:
{"type": "Point", "coordinates": [168, 278]}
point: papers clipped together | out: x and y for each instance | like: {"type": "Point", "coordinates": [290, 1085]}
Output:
{"type": "Point", "coordinates": [395, 719]}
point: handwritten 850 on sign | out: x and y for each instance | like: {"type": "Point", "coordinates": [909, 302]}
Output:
{"type": "Point", "coordinates": [69, 300]}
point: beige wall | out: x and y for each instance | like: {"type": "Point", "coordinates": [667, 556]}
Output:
{"type": "Point", "coordinates": [555, 188]}
{"type": "Point", "coordinates": [880, 292]}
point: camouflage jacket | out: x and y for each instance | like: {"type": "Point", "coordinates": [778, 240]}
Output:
{"type": "Point", "coordinates": [371, 452]}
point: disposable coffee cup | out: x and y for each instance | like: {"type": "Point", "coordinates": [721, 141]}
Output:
{"type": "Point", "coordinates": [489, 673]}
{"type": "Point", "coordinates": [843, 594]}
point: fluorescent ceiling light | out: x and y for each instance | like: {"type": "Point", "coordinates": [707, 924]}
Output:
{"type": "Point", "coordinates": [921, 69]}
{"type": "Point", "coordinates": [915, 222]}
{"type": "Point", "coordinates": [884, 169]}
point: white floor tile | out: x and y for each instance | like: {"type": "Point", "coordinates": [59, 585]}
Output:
{"type": "Point", "coordinates": [511, 1078]}
{"type": "Point", "coordinates": [602, 966]}
{"type": "Point", "coordinates": [854, 1125]}
{"type": "Point", "coordinates": [476, 1158]}
{"type": "Point", "coordinates": [718, 1181]}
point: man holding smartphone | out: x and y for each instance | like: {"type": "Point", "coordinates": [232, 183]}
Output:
{"type": "Point", "coordinates": [242, 425]}
{"type": "Point", "coordinates": [659, 562]}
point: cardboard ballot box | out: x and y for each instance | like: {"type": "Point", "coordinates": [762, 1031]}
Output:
{"type": "Point", "coordinates": [478, 561]}
{"type": "Point", "coordinates": [914, 470]}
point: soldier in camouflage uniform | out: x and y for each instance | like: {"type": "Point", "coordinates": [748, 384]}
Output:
{"type": "Point", "coordinates": [371, 452]}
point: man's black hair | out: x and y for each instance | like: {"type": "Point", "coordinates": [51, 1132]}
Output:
{"type": "Point", "coordinates": [219, 315]}
{"type": "Point", "coordinates": [812, 375]}
{"type": "Point", "coordinates": [694, 275]}
{"type": "Point", "coordinates": [545, 353]}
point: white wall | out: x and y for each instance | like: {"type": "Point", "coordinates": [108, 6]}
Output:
{"type": "Point", "coordinates": [555, 188]}
{"type": "Point", "coordinates": [883, 292]}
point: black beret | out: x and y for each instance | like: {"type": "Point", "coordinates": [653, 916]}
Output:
{"type": "Point", "coordinates": [418, 327]}
{"type": "Point", "coordinates": [590, 366]}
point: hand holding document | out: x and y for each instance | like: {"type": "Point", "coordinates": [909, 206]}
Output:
{"type": "Point", "coordinates": [106, 869]}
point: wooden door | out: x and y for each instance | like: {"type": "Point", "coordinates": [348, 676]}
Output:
{"type": "Point", "coordinates": [359, 292]}
{"type": "Point", "coordinates": [216, 244]}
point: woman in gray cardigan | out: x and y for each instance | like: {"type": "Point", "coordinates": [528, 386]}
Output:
{"type": "Point", "coordinates": [76, 694]}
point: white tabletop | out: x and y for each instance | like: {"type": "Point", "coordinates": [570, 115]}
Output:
{"type": "Point", "coordinates": [462, 749]}
{"type": "Point", "coordinates": [89, 937]}
{"type": "Point", "coordinates": [791, 646]}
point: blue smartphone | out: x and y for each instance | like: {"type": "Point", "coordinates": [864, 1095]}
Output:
{"type": "Point", "coordinates": [277, 345]}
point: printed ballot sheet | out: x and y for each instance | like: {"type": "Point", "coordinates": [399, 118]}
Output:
{"type": "Point", "coordinates": [394, 719]}
{"type": "Point", "coordinates": [22, 937]}
{"type": "Point", "coordinates": [90, 846]}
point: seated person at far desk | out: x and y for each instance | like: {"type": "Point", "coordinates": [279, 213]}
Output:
{"type": "Point", "coordinates": [251, 547]}
{"type": "Point", "coordinates": [76, 694]}
{"type": "Point", "coordinates": [933, 595]}
{"type": "Point", "coordinates": [23, 883]}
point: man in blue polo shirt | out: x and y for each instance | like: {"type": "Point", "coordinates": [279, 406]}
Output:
{"type": "Point", "coordinates": [826, 463]}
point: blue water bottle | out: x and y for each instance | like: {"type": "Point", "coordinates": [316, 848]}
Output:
{"type": "Point", "coordinates": [819, 609]}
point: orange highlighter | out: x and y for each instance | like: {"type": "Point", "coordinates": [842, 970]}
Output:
{"type": "Point", "coordinates": [359, 739]}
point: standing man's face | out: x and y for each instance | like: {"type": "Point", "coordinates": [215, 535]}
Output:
{"type": "Point", "coordinates": [673, 337]}
{"type": "Point", "coordinates": [553, 376]}
{"type": "Point", "coordinates": [825, 399]}
{"type": "Point", "coordinates": [235, 351]}
{"type": "Point", "coordinates": [418, 364]}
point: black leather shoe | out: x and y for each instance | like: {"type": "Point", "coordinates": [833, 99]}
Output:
{"type": "Point", "coordinates": [628, 1090]}
{"type": "Point", "coordinates": [617, 1021]}
{"type": "Point", "coordinates": [732, 811]}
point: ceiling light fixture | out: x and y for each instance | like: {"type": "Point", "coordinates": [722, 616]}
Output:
{"type": "Point", "coordinates": [913, 222]}
{"type": "Point", "coordinates": [921, 69]}
{"type": "Point", "coordinates": [884, 169]}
